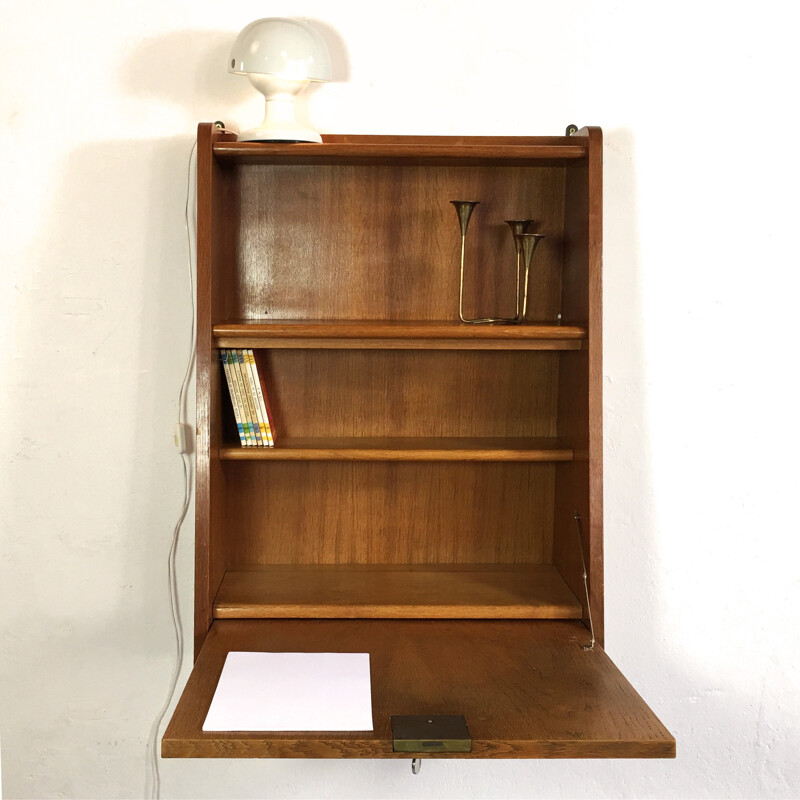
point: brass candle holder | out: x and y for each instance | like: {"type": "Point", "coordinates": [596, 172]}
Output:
{"type": "Point", "coordinates": [517, 227]}
{"type": "Point", "coordinates": [527, 242]}
{"type": "Point", "coordinates": [524, 244]}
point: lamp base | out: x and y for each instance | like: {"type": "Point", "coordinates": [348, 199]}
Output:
{"type": "Point", "coordinates": [279, 124]}
{"type": "Point", "coordinates": [286, 135]}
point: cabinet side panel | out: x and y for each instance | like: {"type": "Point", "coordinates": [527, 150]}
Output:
{"type": "Point", "coordinates": [215, 251]}
{"type": "Point", "coordinates": [579, 484]}
{"type": "Point", "coordinates": [572, 479]}
{"type": "Point", "coordinates": [595, 321]}
{"type": "Point", "coordinates": [383, 242]}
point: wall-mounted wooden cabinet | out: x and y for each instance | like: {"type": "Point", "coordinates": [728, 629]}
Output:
{"type": "Point", "coordinates": [436, 487]}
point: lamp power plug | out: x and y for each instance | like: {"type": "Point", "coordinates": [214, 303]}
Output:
{"type": "Point", "coordinates": [179, 437]}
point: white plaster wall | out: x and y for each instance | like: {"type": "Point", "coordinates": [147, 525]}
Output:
{"type": "Point", "coordinates": [98, 106]}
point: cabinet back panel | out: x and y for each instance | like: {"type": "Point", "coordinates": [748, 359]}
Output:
{"type": "Point", "coordinates": [410, 392]}
{"type": "Point", "coordinates": [383, 242]}
{"type": "Point", "coordinates": [389, 513]}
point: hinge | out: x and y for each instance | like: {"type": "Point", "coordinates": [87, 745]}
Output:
{"type": "Point", "coordinates": [578, 527]}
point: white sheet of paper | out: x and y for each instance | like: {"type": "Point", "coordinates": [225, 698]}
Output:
{"type": "Point", "coordinates": [292, 692]}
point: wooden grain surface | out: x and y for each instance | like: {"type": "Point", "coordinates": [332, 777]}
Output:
{"type": "Point", "coordinates": [420, 393]}
{"type": "Point", "coordinates": [579, 484]}
{"type": "Point", "coordinates": [391, 512]}
{"type": "Point", "coordinates": [383, 242]}
{"type": "Point", "coordinates": [359, 231]}
{"type": "Point", "coordinates": [526, 689]}
{"type": "Point", "coordinates": [393, 329]}
{"type": "Point", "coordinates": [406, 448]}
{"type": "Point", "coordinates": [407, 150]}
{"type": "Point", "coordinates": [397, 334]}
{"type": "Point", "coordinates": [572, 492]}
{"type": "Point", "coordinates": [595, 253]}
{"type": "Point", "coordinates": [339, 343]}
{"type": "Point", "coordinates": [451, 139]}
{"type": "Point", "coordinates": [572, 484]}
{"type": "Point", "coordinates": [471, 591]}
{"type": "Point", "coordinates": [216, 215]}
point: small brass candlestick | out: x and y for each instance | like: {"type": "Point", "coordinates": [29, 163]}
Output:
{"type": "Point", "coordinates": [527, 243]}
{"type": "Point", "coordinates": [518, 226]}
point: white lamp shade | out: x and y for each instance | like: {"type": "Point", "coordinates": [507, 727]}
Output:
{"type": "Point", "coordinates": [282, 47]}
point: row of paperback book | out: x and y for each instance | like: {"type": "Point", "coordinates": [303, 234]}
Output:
{"type": "Point", "coordinates": [249, 397]}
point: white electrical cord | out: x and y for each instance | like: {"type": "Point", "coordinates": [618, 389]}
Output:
{"type": "Point", "coordinates": [154, 778]}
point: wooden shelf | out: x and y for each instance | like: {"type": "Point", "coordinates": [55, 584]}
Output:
{"type": "Point", "coordinates": [385, 592]}
{"type": "Point", "coordinates": [429, 448]}
{"type": "Point", "coordinates": [409, 151]}
{"type": "Point", "coordinates": [381, 334]}
{"type": "Point", "coordinates": [526, 690]}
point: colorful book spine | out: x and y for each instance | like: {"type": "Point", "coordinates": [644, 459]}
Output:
{"type": "Point", "coordinates": [249, 397]}
{"type": "Point", "coordinates": [260, 393]}
{"type": "Point", "coordinates": [223, 357]}
{"type": "Point", "coordinates": [243, 405]}
{"type": "Point", "coordinates": [247, 369]}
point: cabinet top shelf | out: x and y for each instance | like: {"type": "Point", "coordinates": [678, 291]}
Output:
{"type": "Point", "coordinates": [428, 150]}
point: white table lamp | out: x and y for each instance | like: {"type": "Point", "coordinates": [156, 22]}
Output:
{"type": "Point", "coordinates": [280, 58]}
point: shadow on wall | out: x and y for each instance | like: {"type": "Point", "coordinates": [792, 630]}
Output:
{"type": "Point", "coordinates": [637, 638]}
{"type": "Point", "coordinates": [189, 69]}
{"type": "Point", "coordinates": [185, 68]}
{"type": "Point", "coordinates": [113, 306]}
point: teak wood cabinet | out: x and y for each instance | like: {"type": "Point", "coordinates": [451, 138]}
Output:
{"type": "Point", "coordinates": [433, 483]}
